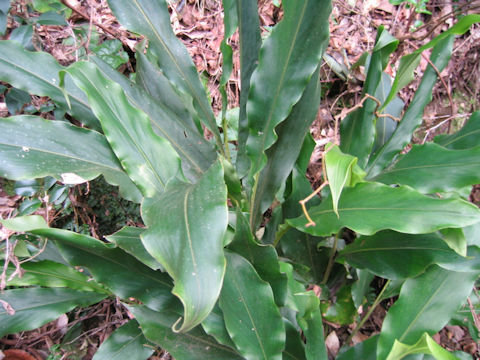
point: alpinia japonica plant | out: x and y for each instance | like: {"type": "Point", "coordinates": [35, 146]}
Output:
{"type": "Point", "coordinates": [205, 284]}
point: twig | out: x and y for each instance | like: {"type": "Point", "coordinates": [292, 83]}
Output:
{"type": "Point", "coordinates": [328, 270]}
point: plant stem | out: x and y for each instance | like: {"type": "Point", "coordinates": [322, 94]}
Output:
{"type": "Point", "coordinates": [282, 230]}
{"type": "Point", "coordinates": [225, 136]}
{"type": "Point", "coordinates": [367, 315]}
{"type": "Point", "coordinates": [330, 260]}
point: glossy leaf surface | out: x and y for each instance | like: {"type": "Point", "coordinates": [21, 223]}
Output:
{"type": "Point", "coordinates": [426, 345]}
{"type": "Point", "coordinates": [282, 156]}
{"type": "Point", "coordinates": [51, 274]}
{"type": "Point", "coordinates": [251, 316]}
{"type": "Point", "coordinates": [128, 131]}
{"type": "Point", "coordinates": [151, 19]}
{"type": "Point", "coordinates": [426, 303]}
{"type": "Point", "coordinates": [126, 342]}
{"type": "Point", "coordinates": [34, 307]}
{"type": "Point", "coordinates": [192, 345]}
{"type": "Point", "coordinates": [197, 154]}
{"type": "Point", "coordinates": [287, 60]}
{"type": "Point", "coordinates": [185, 233]}
{"type": "Point", "coordinates": [37, 73]}
{"type": "Point", "coordinates": [412, 117]}
{"type": "Point", "coordinates": [58, 149]}
{"type": "Point", "coordinates": [128, 239]}
{"type": "Point", "coordinates": [430, 168]}
{"type": "Point", "coordinates": [371, 207]}
{"type": "Point", "coordinates": [214, 325]}
{"type": "Point", "coordinates": [465, 138]}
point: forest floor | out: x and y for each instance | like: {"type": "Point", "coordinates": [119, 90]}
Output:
{"type": "Point", "coordinates": [199, 24]}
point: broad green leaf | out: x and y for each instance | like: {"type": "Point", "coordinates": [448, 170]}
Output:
{"type": "Point", "coordinates": [37, 73]}
{"type": "Point", "coordinates": [366, 350]}
{"type": "Point", "coordinates": [455, 238]}
{"type": "Point", "coordinates": [186, 226]}
{"type": "Point", "coordinates": [308, 317]}
{"type": "Point", "coordinates": [430, 168]}
{"type": "Point", "coordinates": [151, 19]}
{"type": "Point", "coordinates": [465, 138]}
{"type": "Point", "coordinates": [342, 310]}
{"type": "Point", "coordinates": [33, 307]}
{"type": "Point", "coordinates": [426, 345]}
{"type": "Point", "coordinates": [408, 63]}
{"type": "Point", "coordinates": [357, 130]}
{"type": "Point", "coordinates": [425, 305]}
{"type": "Point", "coordinates": [250, 42]}
{"type": "Point", "coordinates": [287, 61]}
{"type": "Point", "coordinates": [196, 153]}
{"type": "Point", "coordinates": [121, 273]}
{"type": "Point", "coordinates": [4, 7]}
{"type": "Point", "coordinates": [361, 286]}
{"type": "Point", "coordinates": [394, 255]}
{"type": "Point", "coordinates": [128, 239]}
{"type": "Point", "coordinates": [192, 345]}
{"type": "Point", "coordinates": [33, 147]}
{"type": "Point", "coordinates": [281, 157]}
{"type": "Point", "coordinates": [251, 316]}
{"type": "Point", "coordinates": [302, 249]}
{"type": "Point", "coordinates": [264, 258]}
{"type": "Point", "coordinates": [413, 115]}
{"type": "Point", "coordinates": [294, 346]}
{"type": "Point", "coordinates": [51, 274]}
{"type": "Point", "coordinates": [128, 131]}
{"type": "Point", "coordinates": [340, 172]}
{"type": "Point", "coordinates": [126, 342]}
{"type": "Point", "coordinates": [371, 207]}
{"type": "Point", "coordinates": [214, 325]}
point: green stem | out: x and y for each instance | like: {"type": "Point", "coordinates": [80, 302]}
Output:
{"type": "Point", "coordinates": [282, 230]}
{"type": "Point", "coordinates": [367, 315]}
{"type": "Point", "coordinates": [225, 135]}
{"type": "Point", "coordinates": [330, 260]}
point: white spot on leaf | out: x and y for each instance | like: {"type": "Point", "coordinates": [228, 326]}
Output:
{"type": "Point", "coordinates": [72, 179]}
{"type": "Point", "coordinates": [25, 148]}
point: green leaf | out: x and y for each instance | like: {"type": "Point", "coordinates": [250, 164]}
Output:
{"type": "Point", "coordinates": [34, 307]}
{"type": "Point", "coordinates": [287, 61]}
{"type": "Point", "coordinates": [186, 226]}
{"type": "Point", "coordinates": [426, 345]}
{"type": "Point", "coordinates": [341, 311]}
{"type": "Point", "coordinates": [52, 274]}
{"type": "Point", "coordinates": [251, 316]}
{"type": "Point", "coordinates": [357, 130]}
{"type": "Point", "coordinates": [151, 19]}
{"type": "Point", "coordinates": [371, 207]}
{"type": "Point", "coordinates": [264, 258]}
{"type": "Point", "coordinates": [16, 100]}
{"type": "Point", "coordinates": [128, 131]}
{"type": "Point", "coordinates": [214, 325]}
{"type": "Point", "coordinates": [361, 286]}
{"type": "Point", "coordinates": [60, 150]}
{"type": "Point", "coordinates": [192, 345]}
{"type": "Point", "coordinates": [430, 168]}
{"type": "Point", "coordinates": [425, 304]}
{"type": "Point", "coordinates": [394, 255]}
{"type": "Point", "coordinates": [4, 8]}
{"type": "Point", "coordinates": [294, 346]}
{"type": "Point", "coordinates": [37, 73]}
{"type": "Point", "coordinates": [126, 342]}
{"type": "Point", "coordinates": [308, 317]}
{"type": "Point", "coordinates": [124, 275]}
{"type": "Point", "coordinates": [281, 157]}
{"type": "Point", "coordinates": [250, 42]}
{"type": "Point", "coordinates": [465, 138]}
{"type": "Point", "coordinates": [408, 63]}
{"type": "Point", "coordinates": [128, 239]}
{"type": "Point", "coordinates": [197, 154]}
{"type": "Point", "coordinates": [455, 238]}
{"type": "Point", "coordinates": [366, 350]}
{"type": "Point", "coordinates": [413, 115]}
{"type": "Point", "coordinates": [340, 172]}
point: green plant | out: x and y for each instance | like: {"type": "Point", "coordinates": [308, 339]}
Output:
{"type": "Point", "coordinates": [200, 279]}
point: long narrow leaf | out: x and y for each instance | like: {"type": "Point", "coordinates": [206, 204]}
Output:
{"type": "Point", "coordinates": [431, 168]}
{"type": "Point", "coordinates": [288, 59]}
{"type": "Point", "coordinates": [33, 147]}
{"type": "Point", "coordinates": [251, 316]}
{"type": "Point", "coordinates": [33, 307]}
{"type": "Point", "coordinates": [371, 207]}
{"type": "Point", "coordinates": [413, 115]}
{"type": "Point", "coordinates": [37, 73]}
{"type": "Point", "coordinates": [193, 345]}
{"type": "Point", "coordinates": [151, 19]}
{"type": "Point", "coordinates": [425, 305]}
{"type": "Point", "coordinates": [185, 233]}
{"type": "Point", "coordinates": [465, 138]}
{"type": "Point", "coordinates": [149, 160]}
